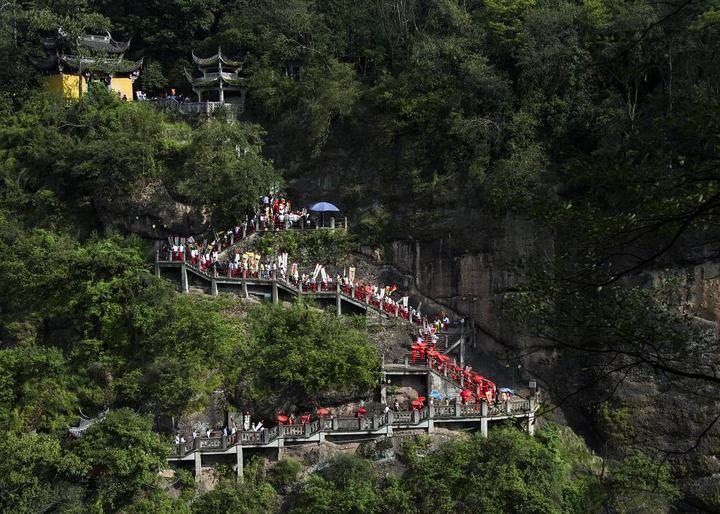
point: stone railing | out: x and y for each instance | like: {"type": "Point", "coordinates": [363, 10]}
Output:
{"type": "Point", "coordinates": [198, 107]}
{"type": "Point", "coordinates": [293, 288]}
{"type": "Point", "coordinates": [375, 423]}
{"type": "Point", "coordinates": [294, 430]}
{"type": "Point", "coordinates": [444, 411]}
{"type": "Point", "coordinates": [402, 417]}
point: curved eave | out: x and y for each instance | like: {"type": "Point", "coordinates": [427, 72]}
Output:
{"type": "Point", "coordinates": [214, 60]}
{"type": "Point", "coordinates": [104, 44]}
{"type": "Point", "coordinates": [104, 65]}
{"type": "Point", "coordinates": [201, 83]}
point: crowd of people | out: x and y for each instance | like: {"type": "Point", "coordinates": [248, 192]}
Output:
{"type": "Point", "coordinates": [475, 387]}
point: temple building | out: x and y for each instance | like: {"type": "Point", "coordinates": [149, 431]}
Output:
{"type": "Point", "coordinates": [97, 59]}
{"type": "Point", "coordinates": [220, 82]}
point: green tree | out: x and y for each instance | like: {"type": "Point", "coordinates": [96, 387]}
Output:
{"type": "Point", "coordinates": [123, 456]}
{"type": "Point", "coordinates": [36, 474]}
{"type": "Point", "coordinates": [300, 356]}
{"type": "Point", "coordinates": [224, 171]}
{"type": "Point", "coordinates": [152, 78]}
{"type": "Point", "coordinates": [253, 494]}
{"type": "Point", "coordinates": [506, 472]}
{"type": "Point", "coordinates": [347, 483]}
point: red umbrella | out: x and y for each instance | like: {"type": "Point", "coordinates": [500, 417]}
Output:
{"type": "Point", "coordinates": [416, 404]}
{"type": "Point", "coordinates": [421, 398]}
{"type": "Point", "coordinates": [282, 419]}
{"type": "Point", "coordinates": [322, 411]}
{"type": "Point", "coordinates": [465, 395]}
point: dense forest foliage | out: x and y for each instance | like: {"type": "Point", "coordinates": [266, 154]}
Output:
{"type": "Point", "coordinates": [599, 120]}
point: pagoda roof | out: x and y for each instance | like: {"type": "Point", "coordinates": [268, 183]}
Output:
{"type": "Point", "coordinates": [212, 80]}
{"type": "Point", "coordinates": [104, 43]}
{"type": "Point", "coordinates": [117, 65]}
{"type": "Point", "coordinates": [215, 59]}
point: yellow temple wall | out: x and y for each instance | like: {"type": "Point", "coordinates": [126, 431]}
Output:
{"type": "Point", "coordinates": [122, 85]}
{"type": "Point", "coordinates": [65, 85]}
{"type": "Point", "coordinates": [69, 85]}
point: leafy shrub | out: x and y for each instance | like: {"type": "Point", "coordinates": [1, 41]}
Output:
{"type": "Point", "coordinates": [284, 473]}
{"type": "Point", "coordinates": [309, 246]}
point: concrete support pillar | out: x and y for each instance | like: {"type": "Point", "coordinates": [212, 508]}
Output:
{"type": "Point", "coordinates": [338, 302]}
{"type": "Point", "coordinates": [431, 415]}
{"type": "Point", "coordinates": [457, 408]}
{"type": "Point", "coordinates": [213, 288]}
{"type": "Point", "coordinates": [281, 445]}
{"type": "Point", "coordinates": [484, 427]}
{"type": "Point", "coordinates": [531, 424]}
{"type": "Point", "coordinates": [232, 238]}
{"type": "Point", "coordinates": [184, 286]}
{"type": "Point", "coordinates": [383, 393]}
{"type": "Point", "coordinates": [275, 296]}
{"type": "Point", "coordinates": [240, 463]}
{"type": "Point", "coordinates": [245, 289]}
{"type": "Point", "coordinates": [198, 466]}
{"type": "Point", "coordinates": [415, 417]}
{"type": "Point", "coordinates": [332, 222]}
{"type": "Point", "coordinates": [157, 263]}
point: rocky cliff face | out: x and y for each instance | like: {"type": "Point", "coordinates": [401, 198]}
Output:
{"type": "Point", "coordinates": [472, 272]}
{"type": "Point", "coordinates": [648, 409]}
{"type": "Point", "coordinates": [152, 212]}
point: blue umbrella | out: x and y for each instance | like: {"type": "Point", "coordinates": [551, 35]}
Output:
{"type": "Point", "coordinates": [435, 394]}
{"type": "Point", "coordinates": [324, 207]}
{"type": "Point", "coordinates": [506, 390]}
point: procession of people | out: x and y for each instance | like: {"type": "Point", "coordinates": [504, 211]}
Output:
{"type": "Point", "coordinates": [273, 213]}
